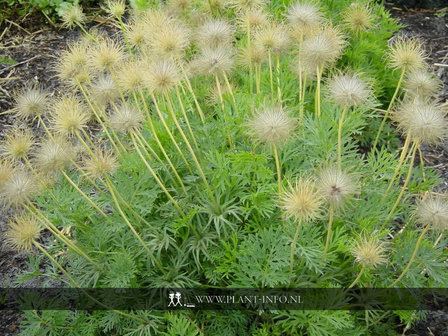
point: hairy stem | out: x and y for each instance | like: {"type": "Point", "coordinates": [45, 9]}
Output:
{"type": "Point", "coordinates": [361, 272]}
{"type": "Point", "coordinates": [293, 245]}
{"type": "Point", "coordinates": [341, 122]}
{"type": "Point", "coordinates": [279, 169]}
{"type": "Point", "coordinates": [330, 224]}
{"type": "Point", "coordinates": [414, 254]}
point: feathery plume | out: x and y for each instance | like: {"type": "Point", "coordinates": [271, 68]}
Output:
{"type": "Point", "coordinates": [272, 126]}
{"type": "Point", "coordinates": [369, 252]}
{"type": "Point", "coordinates": [246, 5]}
{"type": "Point", "coordinates": [358, 17]}
{"type": "Point", "coordinates": [53, 155]}
{"type": "Point", "coordinates": [348, 90]}
{"type": "Point", "coordinates": [273, 38]}
{"type": "Point", "coordinates": [31, 103]}
{"type": "Point", "coordinates": [102, 164]}
{"type": "Point", "coordinates": [69, 116]}
{"type": "Point", "coordinates": [303, 18]}
{"type": "Point", "coordinates": [106, 55]}
{"type": "Point", "coordinates": [433, 211]}
{"type": "Point", "coordinates": [22, 232]}
{"type": "Point", "coordinates": [214, 61]}
{"type": "Point", "coordinates": [406, 53]}
{"type": "Point", "coordinates": [17, 143]}
{"type": "Point", "coordinates": [104, 90]}
{"type": "Point", "coordinates": [115, 8]}
{"type": "Point", "coordinates": [126, 118]}
{"type": "Point", "coordinates": [170, 41]}
{"type": "Point", "coordinates": [19, 188]}
{"type": "Point", "coordinates": [215, 33]}
{"type": "Point", "coordinates": [423, 121]}
{"type": "Point", "coordinates": [6, 170]}
{"type": "Point", "coordinates": [421, 84]}
{"type": "Point", "coordinates": [336, 187]}
{"type": "Point", "coordinates": [302, 201]}
{"type": "Point", "coordinates": [162, 76]}
{"type": "Point", "coordinates": [72, 15]}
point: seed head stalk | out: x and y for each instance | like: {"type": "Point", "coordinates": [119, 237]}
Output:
{"type": "Point", "coordinates": [195, 159]}
{"type": "Point", "coordinates": [41, 121]}
{"type": "Point", "coordinates": [58, 265]}
{"type": "Point", "coordinates": [330, 224]}
{"type": "Point", "coordinates": [380, 129]}
{"type": "Point", "coordinates": [249, 51]}
{"type": "Point", "coordinates": [139, 238]}
{"type": "Point", "coordinates": [39, 179]}
{"type": "Point", "coordinates": [58, 234]}
{"type": "Point", "coordinates": [229, 88]}
{"type": "Point", "coordinates": [100, 121]}
{"type": "Point", "coordinates": [403, 188]}
{"type": "Point", "coordinates": [190, 88]}
{"type": "Point", "coordinates": [156, 138]}
{"type": "Point", "coordinates": [341, 122]}
{"type": "Point", "coordinates": [153, 173]}
{"type": "Point", "coordinates": [218, 87]}
{"type": "Point", "coordinates": [271, 80]}
{"type": "Point", "coordinates": [401, 161]}
{"type": "Point", "coordinates": [293, 245]}
{"type": "Point", "coordinates": [184, 113]}
{"type": "Point", "coordinates": [414, 254]}
{"type": "Point", "coordinates": [361, 272]}
{"type": "Point", "coordinates": [87, 198]}
{"type": "Point", "coordinates": [279, 169]}
{"type": "Point", "coordinates": [279, 89]}
{"type": "Point", "coordinates": [162, 119]}
{"type": "Point", "coordinates": [317, 97]}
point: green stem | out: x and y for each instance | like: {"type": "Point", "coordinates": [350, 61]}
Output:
{"type": "Point", "coordinates": [278, 166]}
{"type": "Point", "coordinates": [389, 108]}
{"type": "Point", "coordinates": [317, 97]}
{"type": "Point", "coordinates": [330, 224]}
{"type": "Point", "coordinates": [414, 254]}
{"type": "Point", "coordinates": [139, 238]}
{"type": "Point", "coordinates": [361, 272]}
{"type": "Point", "coordinates": [293, 245]}
{"type": "Point", "coordinates": [279, 89]}
{"type": "Point", "coordinates": [87, 198]}
{"type": "Point", "coordinates": [403, 188]}
{"type": "Point", "coordinates": [341, 122]}
{"type": "Point", "coordinates": [271, 80]}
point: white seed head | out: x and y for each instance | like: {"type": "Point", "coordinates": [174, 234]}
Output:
{"type": "Point", "coordinates": [421, 84]}
{"type": "Point", "coordinates": [433, 211]}
{"type": "Point", "coordinates": [19, 188]}
{"type": "Point", "coordinates": [215, 33]}
{"type": "Point", "coordinates": [214, 61]}
{"type": "Point", "coordinates": [69, 116]}
{"type": "Point", "coordinates": [302, 201]}
{"type": "Point", "coordinates": [336, 187]}
{"type": "Point", "coordinates": [126, 118]}
{"type": "Point", "coordinates": [162, 76]}
{"type": "Point", "coordinates": [31, 103]}
{"type": "Point", "coordinates": [348, 90]}
{"type": "Point", "coordinates": [272, 126]}
{"type": "Point", "coordinates": [369, 252]}
{"type": "Point", "coordinates": [303, 17]}
{"type": "Point", "coordinates": [53, 155]}
{"type": "Point", "coordinates": [22, 232]}
{"type": "Point", "coordinates": [358, 17]}
{"type": "Point", "coordinates": [273, 38]}
{"type": "Point", "coordinates": [72, 15]}
{"type": "Point", "coordinates": [406, 54]}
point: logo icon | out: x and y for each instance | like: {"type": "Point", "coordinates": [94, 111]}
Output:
{"type": "Point", "coordinates": [175, 299]}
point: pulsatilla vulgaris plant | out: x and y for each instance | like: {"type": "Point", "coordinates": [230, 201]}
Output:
{"type": "Point", "coordinates": [219, 144]}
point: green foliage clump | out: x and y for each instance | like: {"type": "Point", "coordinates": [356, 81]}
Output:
{"type": "Point", "coordinates": [237, 159]}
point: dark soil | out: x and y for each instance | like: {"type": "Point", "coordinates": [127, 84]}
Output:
{"type": "Point", "coordinates": [31, 52]}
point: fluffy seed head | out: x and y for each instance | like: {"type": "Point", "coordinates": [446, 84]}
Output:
{"type": "Point", "coordinates": [19, 188]}
{"type": "Point", "coordinates": [301, 201]}
{"type": "Point", "coordinates": [323, 49]}
{"type": "Point", "coordinates": [246, 5]}
{"type": "Point", "coordinates": [69, 116]}
{"type": "Point", "coordinates": [215, 33]}
{"type": "Point", "coordinates": [406, 54]}
{"type": "Point", "coordinates": [136, 33]}
{"type": "Point", "coordinates": [72, 15]}
{"type": "Point", "coordinates": [30, 103]}
{"type": "Point", "coordinates": [22, 232]}
{"type": "Point", "coordinates": [170, 41]}
{"type": "Point", "coordinates": [358, 17]}
{"type": "Point", "coordinates": [256, 18]}
{"type": "Point", "coordinates": [126, 118]}
{"type": "Point", "coordinates": [273, 38]}
{"type": "Point", "coordinates": [336, 186]}
{"type": "Point", "coordinates": [256, 55]}
{"type": "Point", "coordinates": [423, 121]}
{"type": "Point", "coordinates": [348, 90]}
{"type": "Point", "coordinates": [53, 155]}
{"type": "Point", "coordinates": [433, 211]}
{"type": "Point", "coordinates": [17, 143]}
{"type": "Point", "coordinates": [162, 76]}
{"type": "Point", "coordinates": [272, 126]}
{"type": "Point", "coordinates": [102, 164]}
{"type": "Point", "coordinates": [104, 90]}
{"type": "Point", "coordinates": [369, 252]}
{"type": "Point", "coordinates": [73, 65]}
{"type": "Point", "coordinates": [106, 55]}
{"type": "Point", "coordinates": [303, 17]}
{"type": "Point", "coordinates": [116, 8]}
{"type": "Point", "coordinates": [130, 77]}
{"type": "Point", "coordinates": [214, 61]}
{"type": "Point", "coordinates": [6, 170]}
{"type": "Point", "coordinates": [422, 84]}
